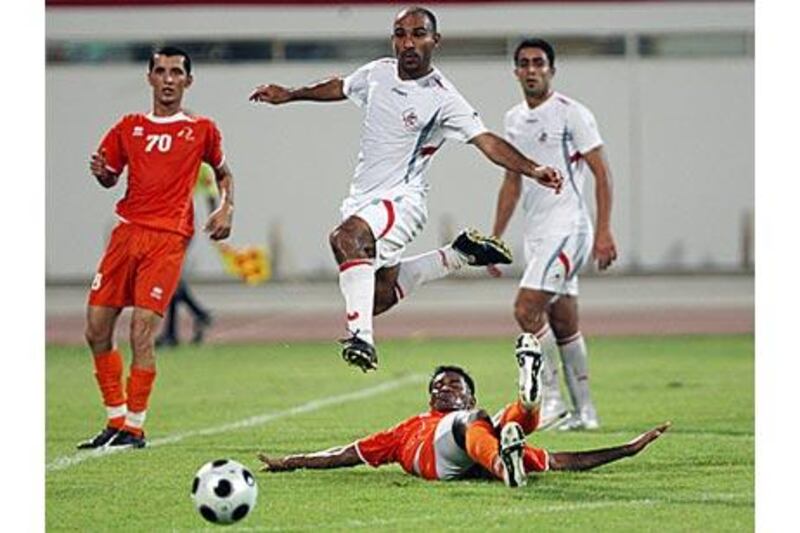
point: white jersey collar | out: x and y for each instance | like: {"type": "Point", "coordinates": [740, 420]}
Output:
{"type": "Point", "coordinates": [177, 117]}
{"type": "Point", "coordinates": [550, 99]}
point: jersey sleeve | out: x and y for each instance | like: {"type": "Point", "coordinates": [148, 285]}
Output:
{"type": "Point", "coordinates": [585, 133]}
{"type": "Point", "coordinates": [112, 147]}
{"type": "Point", "coordinates": [356, 85]}
{"type": "Point", "coordinates": [380, 448]}
{"type": "Point", "coordinates": [213, 154]}
{"type": "Point", "coordinates": [460, 121]}
{"type": "Point", "coordinates": [508, 132]}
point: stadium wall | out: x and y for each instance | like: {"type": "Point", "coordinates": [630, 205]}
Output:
{"type": "Point", "coordinates": [679, 132]}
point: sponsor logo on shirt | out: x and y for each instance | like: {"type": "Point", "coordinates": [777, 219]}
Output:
{"type": "Point", "coordinates": [186, 133]}
{"type": "Point", "coordinates": [410, 118]}
{"type": "Point", "coordinates": [138, 131]}
{"type": "Point", "coordinates": [398, 91]}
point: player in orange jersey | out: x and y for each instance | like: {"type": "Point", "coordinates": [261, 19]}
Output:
{"type": "Point", "coordinates": [456, 440]}
{"type": "Point", "coordinates": [142, 263]}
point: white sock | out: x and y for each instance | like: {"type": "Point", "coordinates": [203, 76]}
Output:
{"type": "Point", "coordinates": [551, 385]}
{"type": "Point", "coordinates": [357, 283]}
{"type": "Point", "coordinates": [576, 371]}
{"type": "Point", "coordinates": [426, 267]}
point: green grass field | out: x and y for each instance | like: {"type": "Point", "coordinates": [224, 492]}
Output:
{"type": "Point", "coordinates": [302, 397]}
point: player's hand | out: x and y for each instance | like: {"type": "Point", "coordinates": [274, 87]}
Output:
{"type": "Point", "coordinates": [494, 271]}
{"type": "Point", "coordinates": [97, 166]}
{"type": "Point", "coordinates": [271, 94]}
{"type": "Point", "coordinates": [604, 251]}
{"type": "Point", "coordinates": [548, 177]}
{"type": "Point", "coordinates": [219, 223]}
{"type": "Point", "coordinates": [640, 443]}
{"type": "Point", "coordinates": [275, 464]}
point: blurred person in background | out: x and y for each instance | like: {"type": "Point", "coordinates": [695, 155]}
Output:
{"type": "Point", "coordinates": [411, 108]}
{"type": "Point", "coordinates": [558, 235]}
{"type": "Point", "coordinates": [206, 189]}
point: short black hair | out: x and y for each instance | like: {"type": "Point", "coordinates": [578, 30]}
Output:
{"type": "Point", "coordinates": [170, 51]}
{"type": "Point", "coordinates": [535, 42]}
{"type": "Point", "coordinates": [452, 368]}
{"type": "Point", "coordinates": [417, 10]}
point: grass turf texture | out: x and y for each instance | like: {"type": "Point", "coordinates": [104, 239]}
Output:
{"type": "Point", "coordinates": [699, 476]}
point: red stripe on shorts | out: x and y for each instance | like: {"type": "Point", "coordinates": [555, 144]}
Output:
{"type": "Point", "coordinates": [565, 260]}
{"type": "Point", "coordinates": [354, 262]}
{"type": "Point", "coordinates": [390, 220]}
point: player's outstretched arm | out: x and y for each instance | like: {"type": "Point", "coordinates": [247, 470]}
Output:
{"type": "Point", "coordinates": [100, 170]}
{"type": "Point", "coordinates": [500, 152]}
{"type": "Point", "coordinates": [331, 90]}
{"type": "Point", "coordinates": [605, 250]}
{"type": "Point", "coordinates": [594, 458]}
{"type": "Point", "coordinates": [220, 221]}
{"type": "Point", "coordinates": [339, 457]}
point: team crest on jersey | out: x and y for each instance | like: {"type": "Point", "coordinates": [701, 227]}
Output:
{"type": "Point", "coordinates": [138, 131]}
{"type": "Point", "coordinates": [156, 293]}
{"type": "Point", "coordinates": [410, 118]}
{"type": "Point", "coordinates": [543, 137]}
{"type": "Point", "coordinates": [186, 133]}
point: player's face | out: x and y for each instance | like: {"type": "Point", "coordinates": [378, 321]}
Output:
{"type": "Point", "coordinates": [413, 40]}
{"type": "Point", "coordinates": [534, 72]}
{"type": "Point", "coordinates": [449, 392]}
{"type": "Point", "coordinates": [169, 79]}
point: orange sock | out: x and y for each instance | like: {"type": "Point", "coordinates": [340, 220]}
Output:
{"type": "Point", "coordinates": [483, 446]}
{"type": "Point", "coordinates": [108, 372]}
{"type": "Point", "coordinates": [140, 383]}
{"type": "Point", "coordinates": [534, 459]}
{"type": "Point", "coordinates": [515, 412]}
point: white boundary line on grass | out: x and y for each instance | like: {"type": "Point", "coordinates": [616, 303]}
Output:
{"type": "Point", "coordinates": [68, 461]}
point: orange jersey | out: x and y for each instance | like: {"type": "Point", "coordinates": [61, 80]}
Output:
{"type": "Point", "coordinates": [409, 443]}
{"type": "Point", "coordinates": [163, 156]}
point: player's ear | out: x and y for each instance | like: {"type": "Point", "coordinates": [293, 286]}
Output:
{"type": "Point", "coordinates": [189, 80]}
{"type": "Point", "coordinates": [436, 38]}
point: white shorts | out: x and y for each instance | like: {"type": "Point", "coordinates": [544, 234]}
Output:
{"type": "Point", "coordinates": [394, 220]}
{"type": "Point", "coordinates": [452, 462]}
{"type": "Point", "coordinates": [554, 262]}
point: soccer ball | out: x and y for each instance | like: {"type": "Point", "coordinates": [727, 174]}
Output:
{"type": "Point", "coordinates": [224, 491]}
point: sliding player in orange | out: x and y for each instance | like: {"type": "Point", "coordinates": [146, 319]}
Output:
{"type": "Point", "coordinates": [142, 263]}
{"type": "Point", "coordinates": [457, 440]}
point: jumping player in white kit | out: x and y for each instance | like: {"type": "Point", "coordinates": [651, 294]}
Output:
{"type": "Point", "coordinates": [558, 234]}
{"type": "Point", "coordinates": [410, 110]}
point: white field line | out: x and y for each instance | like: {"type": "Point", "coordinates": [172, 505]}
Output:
{"type": "Point", "coordinates": [64, 462]}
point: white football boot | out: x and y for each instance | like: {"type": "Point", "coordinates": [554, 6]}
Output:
{"type": "Point", "coordinates": [512, 445]}
{"type": "Point", "coordinates": [586, 418]}
{"type": "Point", "coordinates": [529, 359]}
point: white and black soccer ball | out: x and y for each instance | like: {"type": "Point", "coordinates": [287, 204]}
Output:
{"type": "Point", "coordinates": [224, 491]}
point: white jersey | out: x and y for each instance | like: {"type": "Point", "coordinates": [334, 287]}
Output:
{"type": "Point", "coordinates": [405, 122]}
{"type": "Point", "coordinates": [555, 133]}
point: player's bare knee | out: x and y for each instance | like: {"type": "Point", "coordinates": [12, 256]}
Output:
{"type": "Point", "coordinates": [98, 337]}
{"type": "Point", "coordinates": [529, 317]}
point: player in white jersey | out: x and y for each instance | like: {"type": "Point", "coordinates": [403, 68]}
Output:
{"type": "Point", "coordinates": [410, 110]}
{"type": "Point", "coordinates": [559, 239]}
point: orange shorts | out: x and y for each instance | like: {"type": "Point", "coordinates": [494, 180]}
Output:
{"type": "Point", "coordinates": [141, 267]}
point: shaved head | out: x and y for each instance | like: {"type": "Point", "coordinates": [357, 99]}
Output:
{"type": "Point", "coordinates": [417, 10]}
